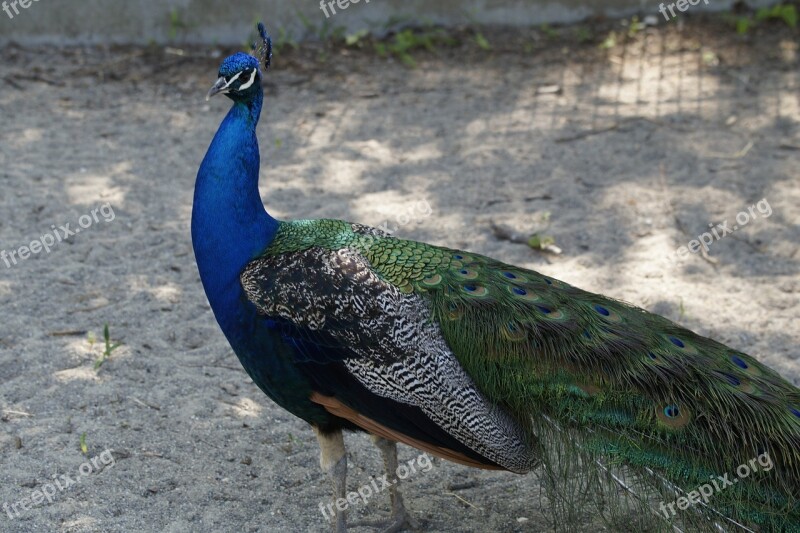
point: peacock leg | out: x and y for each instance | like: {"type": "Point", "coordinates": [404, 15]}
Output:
{"type": "Point", "coordinates": [333, 461]}
{"type": "Point", "coordinates": [400, 519]}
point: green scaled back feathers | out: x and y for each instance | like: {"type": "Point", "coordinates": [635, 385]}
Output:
{"type": "Point", "coordinates": [656, 410]}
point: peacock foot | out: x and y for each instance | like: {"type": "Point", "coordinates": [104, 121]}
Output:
{"type": "Point", "coordinates": [399, 521]}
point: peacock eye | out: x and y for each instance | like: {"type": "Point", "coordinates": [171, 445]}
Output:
{"type": "Point", "coordinates": [244, 76]}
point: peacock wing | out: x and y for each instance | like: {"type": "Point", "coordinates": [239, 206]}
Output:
{"type": "Point", "coordinates": [341, 314]}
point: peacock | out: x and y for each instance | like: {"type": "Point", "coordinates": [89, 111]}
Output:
{"type": "Point", "coordinates": [621, 412]}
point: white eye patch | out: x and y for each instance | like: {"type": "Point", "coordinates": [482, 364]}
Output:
{"type": "Point", "coordinates": [233, 79]}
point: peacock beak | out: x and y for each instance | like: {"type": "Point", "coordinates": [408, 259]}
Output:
{"type": "Point", "coordinates": [218, 87]}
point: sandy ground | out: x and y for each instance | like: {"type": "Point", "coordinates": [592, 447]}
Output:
{"type": "Point", "coordinates": [623, 155]}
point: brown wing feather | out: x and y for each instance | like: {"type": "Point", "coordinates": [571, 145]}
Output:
{"type": "Point", "coordinates": [337, 408]}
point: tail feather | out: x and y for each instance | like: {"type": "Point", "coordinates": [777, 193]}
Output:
{"type": "Point", "coordinates": [616, 386]}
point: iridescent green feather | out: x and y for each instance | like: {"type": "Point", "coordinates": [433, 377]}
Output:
{"type": "Point", "coordinates": [600, 383]}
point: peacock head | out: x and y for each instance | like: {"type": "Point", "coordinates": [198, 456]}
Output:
{"type": "Point", "coordinates": [239, 78]}
{"type": "Point", "coordinates": [239, 74]}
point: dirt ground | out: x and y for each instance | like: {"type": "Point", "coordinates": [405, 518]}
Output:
{"type": "Point", "coordinates": [622, 154]}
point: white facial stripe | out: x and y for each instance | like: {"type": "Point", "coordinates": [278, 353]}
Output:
{"type": "Point", "coordinates": [250, 82]}
{"type": "Point", "coordinates": [233, 79]}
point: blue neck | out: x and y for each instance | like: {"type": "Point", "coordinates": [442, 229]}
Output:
{"type": "Point", "coordinates": [229, 223]}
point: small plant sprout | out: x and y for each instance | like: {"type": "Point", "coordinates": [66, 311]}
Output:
{"type": "Point", "coordinates": [634, 26]}
{"type": "Point", "coordinates": [408, 40]}
{"type": "Point", "coordinates": [540, 242]}
{"type": "Point", "coordinates": [783, 12]}
{"type": "Point", "coordinates": [84, 447]}
{"type": "Point", "coordinates": [291, 440]}
{"type": "Point", "coordinates": [284, 39]}
{"type": "Point", "coordinates": [356, 39]}
{"type": "Point", "coordinates": [610, 41]}
{"type": "Point", "coordinates": [549, 32]}
{"type": "Point", "coordinates": [583, 34]}
{"type": "Point", "coordinates": [742, 25]}
{"type": "Point", "coordinates": [176, 24]}
{"type": "Point", "coordinates": [482, 42]}
{"type": "Point", "coordinates": [109, 347]}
